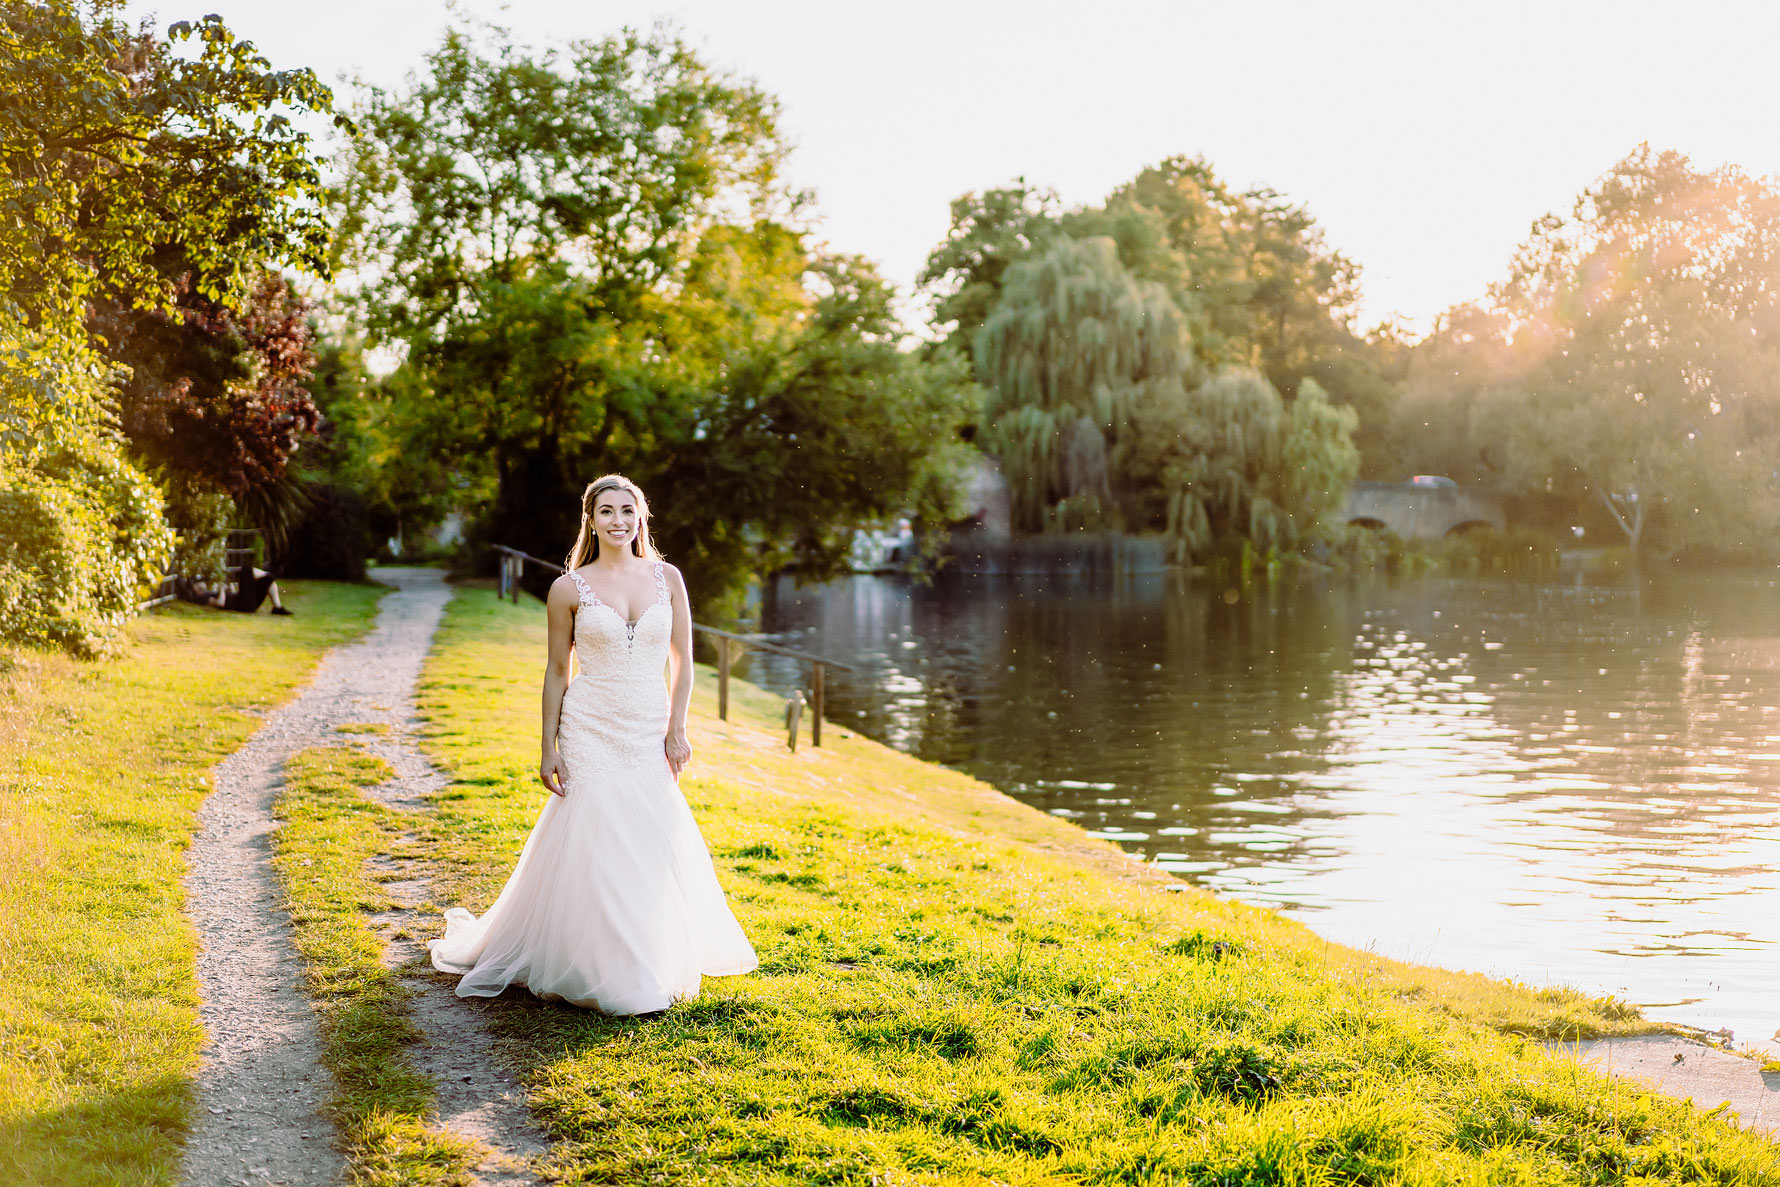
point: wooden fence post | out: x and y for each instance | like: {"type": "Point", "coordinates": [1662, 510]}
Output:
{"type": "Point", "coordinates": [793, 715]}
{"type": "Point", "coordinates": [816, 721]}
{"type": "Point", "coordinates": [722, 678]}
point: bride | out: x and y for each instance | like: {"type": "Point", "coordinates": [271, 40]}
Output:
{"type": "Point", "coordinates": [614, 904]}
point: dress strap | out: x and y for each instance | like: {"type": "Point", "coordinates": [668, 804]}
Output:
{"type": "Point", "coordinates": [587, 594]}
{"type": "Point", "coordinates": [661, 585]}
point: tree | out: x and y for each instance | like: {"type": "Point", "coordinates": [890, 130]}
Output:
{"type": "Point", "coordinates": [592, 264]}
{"type": "Point", "coordinates": [1069, 350]}
{"type": "Point", "coordinates": [217, 392]}
{"type": "Point", "coordinates": [989, 233]}
{"type": "Point", "coordinates": [1251, 277]}
{"type": "Point", "coordinates": [1258, 282]}
{"type": "Point", "coordinates": [113, 153]}
{"type": "Point", "coordinates": [1318, 458]}
{"type": "Point", "coordinates": [1627, 360]}
{"type": "Point", "coordinates": [610, 158]}
{"type": "Point", "coordinates": [838, 425]}
{"type": "Point", "coordinates": [80, 527]}
{"type": "Point", "coordinates": [1246, 465]}
{"type": "Point", "coordinates": [114, 148]}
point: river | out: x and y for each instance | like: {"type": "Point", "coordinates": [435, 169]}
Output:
{"type": "Point", "coordinates": [1562, 784]}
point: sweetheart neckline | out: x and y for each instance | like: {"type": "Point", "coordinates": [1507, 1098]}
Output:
{"type": "Point", "coordinates": [591, 598]}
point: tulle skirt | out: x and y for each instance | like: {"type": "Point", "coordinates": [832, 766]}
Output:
{"type": "Point", "coordinates": [614, 904]}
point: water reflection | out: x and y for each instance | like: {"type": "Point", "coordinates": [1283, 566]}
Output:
{"type": "Point", "coordinates": [1562, 784]}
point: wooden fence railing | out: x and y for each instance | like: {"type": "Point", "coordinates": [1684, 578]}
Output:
{"type": "Point", "coordinates": [240, 549]}
{"type": "Point", "coordinates": [513, 564]}
{"type": "Point", "coordinates": [160, 595]}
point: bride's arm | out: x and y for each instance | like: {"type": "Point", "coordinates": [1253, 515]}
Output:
{"type": "Point", "coordinates": [559, 610]}
{"type": "Point", "coordinates": [679, 750]}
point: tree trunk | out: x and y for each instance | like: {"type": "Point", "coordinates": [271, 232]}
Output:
{"type": "Point", "coordinates": [1633, 526]}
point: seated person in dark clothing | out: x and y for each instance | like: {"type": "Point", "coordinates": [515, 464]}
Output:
{"type": "Point", "coordinates": [245, 594]}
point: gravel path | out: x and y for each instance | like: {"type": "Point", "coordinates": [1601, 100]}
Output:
{"type": "Point", "coordinates": [262, 1084]}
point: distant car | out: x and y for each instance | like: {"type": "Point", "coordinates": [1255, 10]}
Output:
{"type": "Point", "coordinates": [1438, 481]}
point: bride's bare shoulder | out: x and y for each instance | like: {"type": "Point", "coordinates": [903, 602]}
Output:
{"type": "Point", "coordinates": [563, 592]}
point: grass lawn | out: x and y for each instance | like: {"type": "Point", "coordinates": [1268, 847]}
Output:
{"type": "Point", "coordinates": [956, 988]}
{"type": "Point", "coordinates": [102, 768]}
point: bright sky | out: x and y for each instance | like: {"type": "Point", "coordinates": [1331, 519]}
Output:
{"type": "Point", "coordinates": [1424, 136]}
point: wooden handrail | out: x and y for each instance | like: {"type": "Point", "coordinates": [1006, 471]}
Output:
{"type": "Point", "coordinates": [513, 563]}
{"type": "Point", "coordinates": [159, 598]}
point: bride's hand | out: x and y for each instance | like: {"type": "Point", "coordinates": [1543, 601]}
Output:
{"type": "Point", "coordinates": [679, 753]}
{"type": "Point", "coordinates": [552, 774]}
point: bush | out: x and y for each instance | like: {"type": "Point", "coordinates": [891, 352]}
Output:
{"type": "Point", "coordinates": [200, 515]}
{"type": "Point", "coordinates": [82, 538]}
{"type": "Point", "coordinates": [1355, 548]}
{"type": "Point", "coordinates": [1514, 552]}
{"type": "Point", "coordinates": [330, 541]}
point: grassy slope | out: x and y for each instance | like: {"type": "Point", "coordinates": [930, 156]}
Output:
{"type": "Point", "coordinates": [958, 988]}
{"type": "Point", "coordinates": [102, 768]}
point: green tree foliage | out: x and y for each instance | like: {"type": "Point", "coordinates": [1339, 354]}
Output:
{"type": "Point", "coordinates": [115, 147]}
{"type": "Point", "coordinates": [1272, 293]}
{"type": "Point", "coordinates": [1240, 280]}
{"type": "Point", "coordinates": [81, 529]}
{"type": "Point", "coordinates": [114, 152]}
{"type": "Point", "coordinates": [1247, 465]}
{"type": "Point", "coordinates": [1096, 416]}
{"type": "Point", "coordinates": [1249, 271]}
{"type": "Point", "coordinates": [1626, 361]}
{"type": "Point", "coordinates": [1318, 458]}
{"type": "Point", "coordinates": [1071, 347]}
{"type": "Point", "coordinates": [609, 159]}
{"type": "Point", "coordinates": [990, 232]}
{"type": "Point", "coordinates": [371, 446]}
{"type": "Point", "coordinates": [591, 264]}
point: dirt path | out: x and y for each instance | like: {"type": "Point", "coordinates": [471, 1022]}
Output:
{"type": "Point", "coordinates": [1686, 1069]}
{"type": "Point", "coordinates": [262, 1085]}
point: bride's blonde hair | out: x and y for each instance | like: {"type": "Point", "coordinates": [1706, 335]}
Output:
{"type": "Point", "coordinates": [587, 543]}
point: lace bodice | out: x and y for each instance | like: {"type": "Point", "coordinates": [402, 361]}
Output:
{"type": "Point", "coordinates": [615, 709]}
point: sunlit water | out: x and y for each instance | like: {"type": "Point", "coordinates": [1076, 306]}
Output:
{"type": "Point", "coordinates": [1559, 784]}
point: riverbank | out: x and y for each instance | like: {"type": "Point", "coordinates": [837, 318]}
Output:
{"type": "Point", "coordinates": [956, 987]}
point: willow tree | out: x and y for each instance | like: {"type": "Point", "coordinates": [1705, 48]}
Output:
{"type": "Point", "coordinates": [1073, 348]}
{"type": "Point", "coordinates": [1243, 464]}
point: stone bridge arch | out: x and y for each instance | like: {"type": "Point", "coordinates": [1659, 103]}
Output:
{"type": "Point", "coordinates": [1417, 512]}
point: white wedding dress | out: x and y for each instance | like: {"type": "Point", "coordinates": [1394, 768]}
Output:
{"type": "Point", "coordinates": [614, 904]}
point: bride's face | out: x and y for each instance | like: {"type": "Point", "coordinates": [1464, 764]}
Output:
{"type": "Point", "coordinates": [615, 518]}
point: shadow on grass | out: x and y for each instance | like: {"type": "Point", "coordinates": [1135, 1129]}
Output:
{"type": "Point", "coordinates": [133, 1134]}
